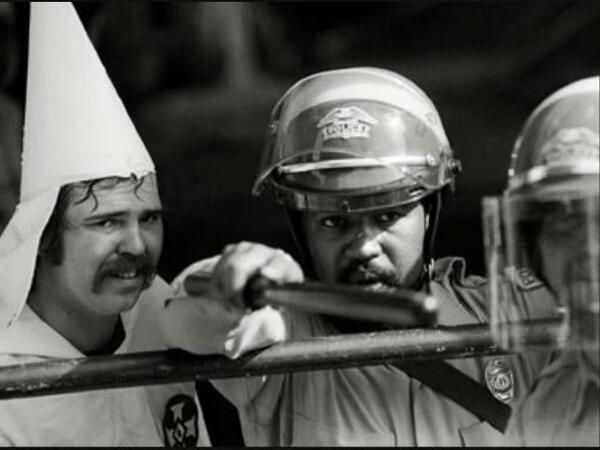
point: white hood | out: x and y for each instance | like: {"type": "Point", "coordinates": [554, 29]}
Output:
{"type": "Point", "coordinates": [76, 128]}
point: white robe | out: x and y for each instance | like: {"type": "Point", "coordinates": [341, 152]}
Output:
{"type": "Point", "coordinates": [151, 416]}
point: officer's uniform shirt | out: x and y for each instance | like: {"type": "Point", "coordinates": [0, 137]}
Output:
{"type": "Point", "coordinates": [380, 405]}
{"type": "Point", "coordinates": [563, 408]}
{"type": "Point", "coordinates": [149, 416]}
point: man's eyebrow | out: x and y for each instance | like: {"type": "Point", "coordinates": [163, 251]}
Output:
{"type": "Point", "coordinates": [116, 214]}
{"type": "Point", "coordinates": [157, 211]}
{"type": "Point", "coordinates": [153, 212]}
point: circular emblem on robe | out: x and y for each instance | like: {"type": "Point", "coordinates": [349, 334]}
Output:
{"type": "Point", "coordinates": [180, 422]}
{"type": "Point", "coordinates": [500, 380]}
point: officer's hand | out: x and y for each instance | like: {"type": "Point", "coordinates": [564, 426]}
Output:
{"type": "Point", "coordinates": [215, 320]}
{"type": "Point", "coordinates": [240, 262]}
{"type": "Point", "coordinates": [202, 326]}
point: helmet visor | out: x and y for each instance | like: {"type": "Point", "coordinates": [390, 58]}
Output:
{"type": "Point", "coordinates": [548, 241]}
{"type": "Point", "coordinates": [332, 154]}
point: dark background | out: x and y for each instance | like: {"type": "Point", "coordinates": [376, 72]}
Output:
{"type": "Point", "coordinates": [199, 80]}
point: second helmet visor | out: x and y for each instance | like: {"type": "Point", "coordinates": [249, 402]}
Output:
{"type": "Point", "coordinates": [548, 241]}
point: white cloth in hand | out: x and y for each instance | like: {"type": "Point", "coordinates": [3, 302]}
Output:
{"type": "Point", "coordinates": [202, 325]}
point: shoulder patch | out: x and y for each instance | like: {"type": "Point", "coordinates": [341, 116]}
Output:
{"type": "Point", "coordinates": [526, 280]}
{"type": "Point", "coordinates": [457, 270]}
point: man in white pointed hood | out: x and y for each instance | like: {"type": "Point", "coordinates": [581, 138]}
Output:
{"type": "Point", "coordinates": [78, 258]}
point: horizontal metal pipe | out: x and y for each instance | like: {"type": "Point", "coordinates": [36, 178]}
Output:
{"type": "Point", "coordinates": [134, 369]}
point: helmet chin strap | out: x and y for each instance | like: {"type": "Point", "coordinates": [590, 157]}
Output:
{"type": "Point", "coordinates": [433, 212]}
{"type": "Point", "coordinates": [294, 220]}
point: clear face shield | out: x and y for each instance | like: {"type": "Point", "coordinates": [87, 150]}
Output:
{"type": "Point", "coordinates": [547, 240]}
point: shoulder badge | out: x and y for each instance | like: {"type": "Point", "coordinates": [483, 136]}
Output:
{"type": "Point", "coordinates": [180, 422]}
{"type": "Point", "coordinates": [500, 380]}
{"type": "Point", "coordinates": [526, 279]}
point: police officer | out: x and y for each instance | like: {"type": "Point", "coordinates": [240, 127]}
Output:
{"type": "Point", "coordinates": [359, 159]}
{"type": "Point", "coordinates": [551, 224]}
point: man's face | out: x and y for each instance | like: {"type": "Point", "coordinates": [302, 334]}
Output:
{"type": "Point", "coordinates": [381, 249]}
{"type": "Point", "coordinates": [110, 248]}
{"type": "Point", "coordinates": [568, 245]}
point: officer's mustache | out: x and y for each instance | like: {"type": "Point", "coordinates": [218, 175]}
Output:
{"type": "Point", "coordinates": [142, 265]}
{"type": "Point", "coordinates": [358, 272]}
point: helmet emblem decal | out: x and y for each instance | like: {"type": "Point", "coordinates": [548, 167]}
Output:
{"type": "Point", "coordinates": [346, 123]}
{"type": "Point", "coordinates": [571, 145]}
{"type": "Point", "coordinates": [180, 422]}
{"type": "Point", "coordinates": [500, 380]}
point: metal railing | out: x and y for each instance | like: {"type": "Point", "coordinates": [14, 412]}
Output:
{"type": "Point", "coordinates": [133, 369]}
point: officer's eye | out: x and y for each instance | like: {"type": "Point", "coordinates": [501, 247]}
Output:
{"type": "Point", "coordinates": [388, 217]}
{"type": "Point", "coordinates": [332, 221]}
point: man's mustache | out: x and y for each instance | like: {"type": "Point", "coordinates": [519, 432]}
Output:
{"type": "Point", "coordinates": [357, 272]}
{"type": "Point", "coordinates": [142, 265]}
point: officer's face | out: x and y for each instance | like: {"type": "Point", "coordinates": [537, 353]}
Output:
{"type": "Point", "coordinates": [379, 249]}
{"type": "Point", "coordinates": [568, 245]}
{"type": "Point", "coordinates": [568, 242]}
{"type": "Point", "coordinates": [110, 249]}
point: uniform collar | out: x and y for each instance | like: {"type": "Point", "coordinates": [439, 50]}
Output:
{"type": "Point", "coordinates": [449, 286]}
{"type": "Point", "coordinates": [451, 266]}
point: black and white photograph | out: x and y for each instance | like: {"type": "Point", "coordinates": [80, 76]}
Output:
{"type": "Point", "coordinates": [314, 224]}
